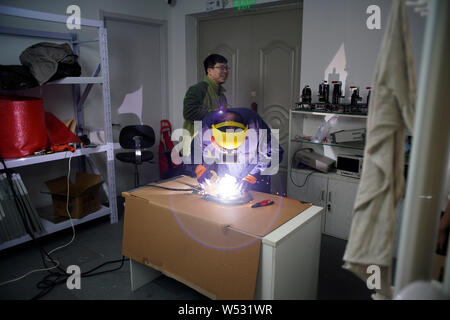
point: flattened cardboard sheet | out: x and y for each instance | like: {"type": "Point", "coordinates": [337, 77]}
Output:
{"type": "Point", "coordinates": [210, 247]}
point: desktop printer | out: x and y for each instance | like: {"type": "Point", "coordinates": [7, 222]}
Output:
{"type": "Point", "coordinates": [312, 159]}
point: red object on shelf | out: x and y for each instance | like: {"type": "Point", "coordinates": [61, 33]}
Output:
{"type": "Point", "coordinates": [22, 126]}
{"type": "Point", "coordinates": [25, 128]}
{"type": "Point", "coordinates": [62, 147]}
{"type": "Point", "coordinates": [57, 131]}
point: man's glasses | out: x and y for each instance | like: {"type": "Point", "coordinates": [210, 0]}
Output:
{"type": "Point", "coordinates": [223, 68]}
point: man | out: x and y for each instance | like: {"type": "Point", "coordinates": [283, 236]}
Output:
{"type": "Point", "coordinates": [201, 98]}
{"type": "Point", "coordinates": [208, 94]}
{"type": "Point", "coordinates": [236, 142]}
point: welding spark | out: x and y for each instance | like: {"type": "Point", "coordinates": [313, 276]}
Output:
{"type": "Point", "coordinates": [225, 187]}
{"type": "Point", "coordinates": [228, 187]}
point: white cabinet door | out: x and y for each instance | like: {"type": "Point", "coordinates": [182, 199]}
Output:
{"type": "Point", "coordinates": [341, 195]}
{"type": "Point", "coordinates": [333, 193]}
{"type": "Point", "coordinates": [312, 190]}
{"type": "Point", "coordinates": [292, 190]}
{"type": "Point", "coordinates": [317, 194]}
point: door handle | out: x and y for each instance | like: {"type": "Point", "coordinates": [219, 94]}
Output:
{"type": "Point", "coordinates": [329, 201]}
{"type": "Point", "coordinates": [321, 195]}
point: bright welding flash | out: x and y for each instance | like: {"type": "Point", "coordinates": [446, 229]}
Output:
{"type": "Point", "coordinates": [228, 188]}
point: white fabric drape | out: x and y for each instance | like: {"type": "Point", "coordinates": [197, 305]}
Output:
{"type": "Point", "coordinates": [391, 111]}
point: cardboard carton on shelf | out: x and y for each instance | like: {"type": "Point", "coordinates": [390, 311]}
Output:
{"type": "Point", "coordinates": [83, 195]}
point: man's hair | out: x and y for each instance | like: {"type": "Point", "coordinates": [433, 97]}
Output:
{"type": "Point", "coordinates": [211, 61]}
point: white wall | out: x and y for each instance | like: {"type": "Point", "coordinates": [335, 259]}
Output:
{"type": "Point", "coordinates": [326, 24]}
{"type": "Point", "coordinates": [181, 35]}
{"type": "Point", "coordinates": [182, 50]}
{"type": "Point", "coordinates": [329, 24]}
{"type": "Point", "coordinates": [59, 101]}
{"type": "Point", "coordinates": [156, 9]}
{"type": "Point", "coordinates": [181, 62]}
{"type": "Point", "coordinates": [89, 57]}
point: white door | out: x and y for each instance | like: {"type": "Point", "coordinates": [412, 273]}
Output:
{"type": "Point", "coordinates": [135, 49]}
{"type": "Point", "coordinates": [341, 196]}
{"type": "Point", "coordinates": [263, 50]}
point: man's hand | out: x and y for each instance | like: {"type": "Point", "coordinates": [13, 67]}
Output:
{"type": "Point", "coordinates": [244, 186]}
{"type": "Point", "coordinates": [246, 183]}
{"type": "Point", "coordinates": [204, 174]}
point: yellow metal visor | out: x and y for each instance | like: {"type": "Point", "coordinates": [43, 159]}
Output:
{"type": "Point", "coordinates": [229, 140]}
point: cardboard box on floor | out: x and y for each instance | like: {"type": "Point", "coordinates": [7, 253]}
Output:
{"type": "Point", "coordinates": [212, 248]}
{"type": "Point", "coordinates": [83, 195]}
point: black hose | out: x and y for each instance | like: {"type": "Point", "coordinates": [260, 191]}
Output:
{"type": "Point", "coordinates": [172, 189]}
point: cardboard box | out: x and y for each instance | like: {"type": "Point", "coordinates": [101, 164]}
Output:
{"type": "Point", "coordinates": [83, 195]}
{"type": "Point", "coordinates": [212, 248]}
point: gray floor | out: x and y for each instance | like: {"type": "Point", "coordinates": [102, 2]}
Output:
{"type": "Point", "coordinates": [99, 241]}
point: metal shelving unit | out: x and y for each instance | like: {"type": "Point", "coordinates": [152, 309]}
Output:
{"type": "Point", "coordinates": [54, 227]}
{"type": "Point", "coordinates": [320, 113]}
{"type": "Point", "coordinates": [304, 123]}
{"type": "Point", "coordinates": [335, 193]}
{"type": "Point", "coordinates": [101, 77]}
{"type": "Point", "coordinates": [299, 129]}
{"type": "Point", "coordinates": [341, 145]}
{"type": "Point", "coordinates": [20, 162]}
{"type": "Point", "coordinates": [77, 80]}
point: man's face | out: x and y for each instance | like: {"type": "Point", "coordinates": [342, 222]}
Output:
{"type": "Point", "coordinates": [218, 73]}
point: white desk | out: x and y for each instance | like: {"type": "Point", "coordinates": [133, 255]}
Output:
{"type": "Point", "coordinates": [288, 265]}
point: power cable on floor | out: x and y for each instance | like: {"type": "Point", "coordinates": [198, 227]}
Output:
{"type": "Point", "coordinates": [22, 213]}
{"type": "Point", "coordinates": [50, 281]}
{"type": "Point", "coordinates": [59, 276]}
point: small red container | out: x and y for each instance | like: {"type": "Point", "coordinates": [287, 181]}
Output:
{"type": "Point", "coordinates": [22, 126]}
